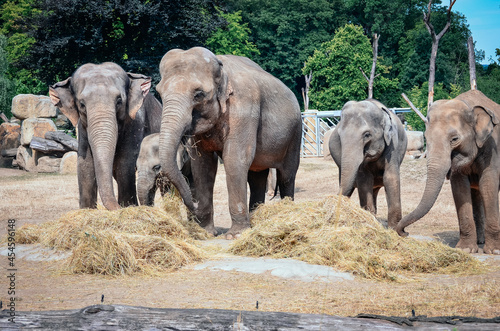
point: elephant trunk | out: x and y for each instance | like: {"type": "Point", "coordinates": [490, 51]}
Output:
{"type": "Point", "coordinates": [146, 189]}
{"type": "Point", "coordinates": [103, 136]}
{"type": "Point", "coordinates": [352, 159]}
{"type": "Point", "coordinates": [437, 168]}
{"type": "Point", "coordinates": [176, 120]}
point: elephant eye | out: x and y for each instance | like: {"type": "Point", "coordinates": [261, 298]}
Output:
{"type": "Point", "coordinates": [82, 105]}
{"type": "Point", "coordinates": [119, 101]}
{"type": "Point", "coordinates": [157, 168]}
{"type": "Point", "coordinates": [367, 135]}
{"type": "Point", "coordinates": [454, 140]}
{"type": "Point", "coordinates": [199, 95]}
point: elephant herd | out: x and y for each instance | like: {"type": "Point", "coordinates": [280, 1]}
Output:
{"type": "Point", "coordinates": [227, 107]}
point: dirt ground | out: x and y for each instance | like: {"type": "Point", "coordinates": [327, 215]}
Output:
{"type": "Point", "coordinates": [36, 198]}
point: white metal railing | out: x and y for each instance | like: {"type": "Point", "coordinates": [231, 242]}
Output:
{"type": "Point", "coordinates": [316, 123]}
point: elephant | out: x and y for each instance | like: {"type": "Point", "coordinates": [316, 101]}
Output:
{"type": "Point", "coordinates": [149, 174]}
{"type": "Point", "coordinates": [462, 145]}
{"type": "Point", "coordinates": [235, 110]}
{"type": "Point", "coordinates": [368, 145]}
{"type": "Point", "coordinates": [113, 111]}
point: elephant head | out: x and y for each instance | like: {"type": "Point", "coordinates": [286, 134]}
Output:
{"type": "Point", "coordinates": [457, 130]}
{"type": "Point", "coordinates": [149, 174]}
{"type": "Point", "coordinates": [99, 99]}
{"type": "Point", "coordinates": [365, 129]}
{"type": "Point", "coordinates": [194, 89]}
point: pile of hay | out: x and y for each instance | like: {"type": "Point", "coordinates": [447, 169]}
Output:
{"type": "Point", "coordinates": [337, 232]}
{"type": "Point", "coordinates": [134, 239]}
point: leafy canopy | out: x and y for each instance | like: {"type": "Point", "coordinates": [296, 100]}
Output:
{"type": "Point", "coordinates": [336, 74]}
{"type": "Point", "coordinates": [232, 39]}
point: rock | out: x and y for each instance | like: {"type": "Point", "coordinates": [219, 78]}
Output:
{"type": "Point", "coordinates": [48, 164]}
{"type": "Point", "coordinates": [63, 123]}
{"type": "Point", "coordinates": [35, 127]}
{"type": "Point", "coordinates": [326, 148]}
{"type": "Point", "coordinates": [10, 136]}
{"type": "Point", "coordinates": [31, 106]}
{"type": "Point", "coordinates": [25, 158]}
{"type": "Point", "coordinates": [68, 163]}
{"type": "Point", "coordinates": [415, 141]}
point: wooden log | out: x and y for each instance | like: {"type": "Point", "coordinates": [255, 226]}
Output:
{"type": "Point", "coordinates": [47, 146]}
{"type": "Point", "coordinates": [412, 106]}
{"type": "Point", "coordinates": [118, 317]}
{"type": "Point", "coordinates": [4, 118]}
{"type": "Point", "coordinates": [11, 152]}
{"type": "Point", "coordinates": [63, 138]}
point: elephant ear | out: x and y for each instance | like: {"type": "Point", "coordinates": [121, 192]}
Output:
{"type": "Point", "coordinates": [62, 97]}
{"type": "Point", "coordinates": [138, 89]}
{"type": "Point", "coordinates": [485, 121]}
{"type": "Point", "coordinates": [390, 129]}
{"type": "Point", "coordinates": [225, 89]}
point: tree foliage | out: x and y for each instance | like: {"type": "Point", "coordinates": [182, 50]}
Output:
{"type": "Point", "coordinates": [233, 38]}
{"type": "Point", "coordinates": [336, 70]}
{"type": "Point", "coordinates": [6, 85]}
{"type": "Point", "coordinates": [133, 33]}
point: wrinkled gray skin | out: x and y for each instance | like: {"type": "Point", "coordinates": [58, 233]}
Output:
{"type": "Point", "coordinates": [368, 145]}
{"type": "Point", "coordinates": [113, 112]}
{"type": "Point", "coordinates": [149, 174]}
{"type": "Point", "coordinates": [462, 144]}
{"type": "Point", "coordinates": [237, 111]}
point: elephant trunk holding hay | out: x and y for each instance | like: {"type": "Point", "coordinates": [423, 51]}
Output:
{"type": "Point", "coordinates": [149, 174]}
{"type": "Point", "coordinates": [113, 112]}
{"type": "Point", "coordinates": [462, 144]}
{"type": "Point", "coordinates": [368, 145]}
{"type": "Point", "coordinates": [235, 110]}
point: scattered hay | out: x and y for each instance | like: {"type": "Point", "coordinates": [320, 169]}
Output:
{"type": "Point", "coordinates": [337, 232]}
{"type": "Point", "coordinates": [125, 241]}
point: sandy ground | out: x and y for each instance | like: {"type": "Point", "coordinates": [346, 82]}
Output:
{"type": "Point", "coordinates": [36, 198]}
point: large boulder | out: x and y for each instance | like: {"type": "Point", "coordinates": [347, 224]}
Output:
{"type": "Point", "coordinates": [68, 163]}
{"type": "Point", "coordinates": [30, 106]}
{"type": "Point", "coordinates": [48, 164]}
{"type": "Point", "coordinates": [10, 135]}
{"type": "Point", "coordinates": [35, 127]}
{"type": "Point", "coordinates": [415, 141]}
{"type": "Point", "coordinates": [25, 158]}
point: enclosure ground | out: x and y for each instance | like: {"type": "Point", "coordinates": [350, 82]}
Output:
{"type": "Point", "coordinates": [36, 198]}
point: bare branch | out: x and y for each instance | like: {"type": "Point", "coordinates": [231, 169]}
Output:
{"type": "Point", "coordinates": [412, 106]}
{"type": "Point", "coordinates": [472, 64]}
{"type": "Point", "coordinates": [364, 75]}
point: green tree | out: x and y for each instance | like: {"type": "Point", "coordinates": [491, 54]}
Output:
{"type": "Point", "coordinates": [488, 80]}
{"type": "Point", "coordinates": [6, 86]}
{"type": "Point", "coordinates": [133, 33]}
{"type": "Point", "coordinates": [335, 69]}
{"type": "Point", "coordinates": [286, 32]}
{"type": "Point", "coordinates": [233, 38]}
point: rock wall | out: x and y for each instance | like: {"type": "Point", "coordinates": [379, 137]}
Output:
{"type": "Point", "coordinates": [38, 116]}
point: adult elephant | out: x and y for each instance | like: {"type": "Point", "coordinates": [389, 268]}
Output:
{"type": "Point", "coordinates": [368, 145]}
{"type": "Point", "coordinates": [149, 174]}
{"type": "Point", "coordinates": [462, 144]}
{"type": "Point", "coordinates": [236, 110]}
{"type": "Point", "coordinates": [113, 112]}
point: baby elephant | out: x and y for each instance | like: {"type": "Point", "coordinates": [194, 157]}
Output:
{"type": "Point", "coordinates": [149, 175]}
{"type": "Point", "coordinates": [368, 145]}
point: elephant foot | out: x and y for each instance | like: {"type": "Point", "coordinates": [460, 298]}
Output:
{"type": "Point", "coordinates": [235, 231]}
{"type": "Point", "coordinates": [466, 247]}
{"type": "Point", "coordinates": [210, 228]}
{"type": "Point", "coordinates": [492, 249]}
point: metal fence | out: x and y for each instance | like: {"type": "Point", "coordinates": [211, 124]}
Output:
{"type": "Point", "coordinates": [316, 123]}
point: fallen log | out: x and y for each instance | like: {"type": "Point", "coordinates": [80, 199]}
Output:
{"type": "Point", "coordinates": [63, 138]}
{"type": "Point", "coordinates": [47, 146]}
{"type": "Point", "coordinates": [118, 317]}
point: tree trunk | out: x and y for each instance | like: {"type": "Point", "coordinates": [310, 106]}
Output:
{"type": "Point", "coordinates": [472, 64]}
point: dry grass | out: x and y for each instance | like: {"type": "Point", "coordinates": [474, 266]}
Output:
{"type": "Point", "coordinates": [125, 241]}
{"type": "Point", "coordinates": [336, 232]}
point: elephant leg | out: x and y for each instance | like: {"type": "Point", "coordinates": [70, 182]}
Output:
{"type": "Point", "coordinates": [257, 182]}
{"type": "Point", "coordinates": [285, 175]}
{"type": "Point", "coordinates": [392, 188]}
{"type": "Point", "coordinates": [364, 182]}
{"type": "Point", "coordinates": [460, 187]}
{"type": "Point", "coordinates": [478, 211]}
{"type": "Point", "coordinates": [204, 171]}
{"type": "Point", "coordinates": [124, 174]}
{"type": "Point", "coordinates": [488, 186]}
{"type": "Point", "coordinates": [87, 183]}
{"type": "Point", "coordinates": [375, 195]}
